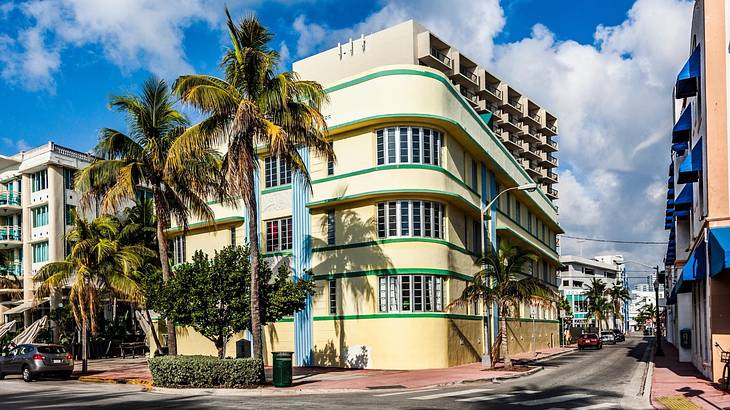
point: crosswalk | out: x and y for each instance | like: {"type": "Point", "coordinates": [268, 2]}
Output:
{"type": "Point", "coordinates": [517, 398]}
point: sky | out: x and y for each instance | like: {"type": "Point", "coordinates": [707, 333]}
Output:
{"type": "Point", "coordinates": [605, 68]}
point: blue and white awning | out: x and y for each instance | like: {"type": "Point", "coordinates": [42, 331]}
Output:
{"type": "Point", "coordinates": [684, 199]}
{"type": "Point", "coordinates": [688, 78]}
{"type": "Point", "coordinates": [691, 168]}
{"type": "Point", "coordinates": [683, 128]}
{"type": "Point", "coordinates": [680, 147]}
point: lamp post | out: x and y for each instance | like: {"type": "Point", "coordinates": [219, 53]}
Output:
{"type": "Point", "coordinates": [658, 338]}
{"type": "Point", "coordinates": [485, 215]}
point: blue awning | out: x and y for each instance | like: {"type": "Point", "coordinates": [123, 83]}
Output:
{"type": "Point", "coordinates": [682, 129]}
{"type": "Point", "coordinates": [687, 80]}
{"type": "Point", "coordinates": [691, 167]}
{"type": "Point", "coordinates": [670, 203]}
{"type": "Point", "coordinates": [681, 214]}
{"type": "Point", "coordinates": [680, 147]}
{"type": "Point", "coordinates": [684, 199]}
{"type": "Point", "coordinates": [668, 225]}
{"type": "Point", "coordinates": [670, 193]}
{"type": "Point", "coordinates": [669, 212]}
{"type": "Point", "coordinates": [670, 182]}
{"type": "Point", "coordinates": [696, 266]}
{"type": "Point", "coordinates": [719, 239]}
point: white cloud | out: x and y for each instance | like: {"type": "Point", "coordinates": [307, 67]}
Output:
{"type": "Point", "coordinates": [612, 98]}
{"type": "Point", "coordinates": [14, 145]}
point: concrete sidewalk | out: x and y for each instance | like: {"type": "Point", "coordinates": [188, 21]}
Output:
{"type": "Point", "coordinates": [678, 385]}
{"type": "Point", "coordinates": [313, 380]}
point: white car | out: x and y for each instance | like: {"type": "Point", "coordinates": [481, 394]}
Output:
{"type": "Point", "coordinates": [608, 337]}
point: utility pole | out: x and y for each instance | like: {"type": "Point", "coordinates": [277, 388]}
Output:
{"type": "Point", "coordinates": [659, 351]}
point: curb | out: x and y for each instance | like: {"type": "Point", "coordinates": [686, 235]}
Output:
{"type": "Point", "coordinates": [258, 392]}
{"type": "Point", "coordinates": [501, 378]}
{"type": "Point", "coordinates": [146, 384]}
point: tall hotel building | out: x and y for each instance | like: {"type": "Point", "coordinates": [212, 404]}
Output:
{"type": "Point", "coordinates": [391, 232]}
{"type": "Point", "coordinates": [698, 197]}
{"type": "Point", "coordinates": [36, 203]}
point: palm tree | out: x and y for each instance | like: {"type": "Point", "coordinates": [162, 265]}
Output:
{"type": "Point", "coordinates": [618, 294]}
{"type": "Point", "coordinates": [254, 106]}
{"type": "Point", "coordinates": [503, 281]}
{"type": "Point", "coordinates": [146, 157]}
{"type": "Point", "coordinates": [98, 265]}
{"type": "Point", "coordinates": [598, 305]}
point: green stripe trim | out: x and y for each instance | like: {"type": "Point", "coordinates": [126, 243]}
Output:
{"type": "Point", "coordinates": [427, 315]}
{"type": "Point", "coordinates": [458, 97]}
{"type": "Point", "coordinates": [278, 253]}
{"type": "Point", "coordinates": [394, 191]}
{"type": "Point", "coordinates": [276, 189]}
{"type": "Point", "coordinates": [528, 320]}
{"type": "Point", "coordinates": [525, 229]}
{"type": "Point", "coordinates": [229, 219]}
{"type": "Point", "coordinates": [393, 240]}
{"type": "Point", "coordinates": [399, 271]}
{"type": "Point", "coordinates": [400, 166]}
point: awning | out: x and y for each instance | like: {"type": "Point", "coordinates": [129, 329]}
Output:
{"type": "Point", "coordinates": [719, 239]}
{"type": "Point", "coordinates": [687, 80]}
{"type": "Point", "coordinates": [670, 203]}
{"type": "Point", "coordinates": [670, 193]}
{"type": "Point", "coordinates": [682, 129]}
{"type": "Point", "coordinates": [691, 167]}
{"type": "Point", "coordinates": [680, 147]}
{"type": "Point", "coordinates": [681, 214]}
{"type": "Point", "coordinates": [684, 199]}
{"type": "Point", "coordinates": [695, 267]}
{"type": "Point", "coordinates": [28, 304]}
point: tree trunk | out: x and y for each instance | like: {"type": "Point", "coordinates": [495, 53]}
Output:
{"type": "Point", "coordinates": [503, 330]}
{"type": "Point", "coordinates": [165, 265]}
{"type": "Point", "coordinates": [220, 345]}
{"type": "Point", "coordinates": [253, 230]}
{"type": "Point", "coordinates": [158, 346]}
{"type": "Point", "coordinates": [84, 347]}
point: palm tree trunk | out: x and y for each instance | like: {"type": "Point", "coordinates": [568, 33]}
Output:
{"type": "Point", "coordinates": [84, 347]}
{"type": "Point", "coordinates": [253, 231]}
{"type": "Point", "coordinates": [165, 265]}
{"type": "Point", "coordinates": [158, 346]}
{"type": "Point", "coordinates": [503, 331]}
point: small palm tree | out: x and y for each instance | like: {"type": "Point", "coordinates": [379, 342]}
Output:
{"type": "Point", "coordinates": [146, 157]}
{"type": "Point", "coordinates": [253, 106]}
{"type": "Point", "coordinates": [598, 304]}
{"type": "Point", "coordinates": [504, 281]}
{"type": "Point", "coordinates": [97, 266]}
{"type": "Point", "coordinates": [618, 294]}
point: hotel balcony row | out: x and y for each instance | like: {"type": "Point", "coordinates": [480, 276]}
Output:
{"type": "Point", "coordinates": [10, 237]}
{"type": "Point", "coordinates": [481, 88]}
{"type": "Point", "coordinates": [10, 202]}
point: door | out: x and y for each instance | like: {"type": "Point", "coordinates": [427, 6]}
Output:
{"type": "Point", "coordinates": [8, 363]}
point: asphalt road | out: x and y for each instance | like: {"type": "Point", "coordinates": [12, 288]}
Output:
{"type": "Point", "coordinates": [611, 378]}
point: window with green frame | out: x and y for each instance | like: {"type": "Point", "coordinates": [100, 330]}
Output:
{"type": "Point", "coordinates": [68, 178]}
{"type": "Point", "coordinates": [40, 216]}
{"type": "Point", "coordinates": [40, 252]}
{"type": "Point", "coordinates": [39, 180]}
{"type": "Point", "coordinates": [70, 212]}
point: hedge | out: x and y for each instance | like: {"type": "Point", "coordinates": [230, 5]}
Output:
{"type": "Point", "coordinates": [204, 371]}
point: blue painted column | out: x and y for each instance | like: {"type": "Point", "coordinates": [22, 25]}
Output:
{"type": "Point", "coordinates": [301, 261]}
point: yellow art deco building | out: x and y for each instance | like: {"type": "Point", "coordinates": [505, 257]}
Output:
{"type": "Point", "coordinates": [391, 232]}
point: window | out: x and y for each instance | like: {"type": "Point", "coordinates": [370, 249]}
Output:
{"type": "Point", "coordinates": [233, 236]}
{"type": "Point", "coordinates": [331, 227]}
{"type": "Point", "coordinates": [277, 171]}
{"type": "Point", "coordinates": [68, 178]}
{"type": "Point", "coordinates": [577, 284]}
{"type": "Point", "coordinates": [410, 293]}
{"type": "Point", "coordinates": [279, 235]}
{"type": "Point", "coordinates": [331, 163]}
{"type": "Point", "coordinates": [410, 218]}
{"type": "Point", "coordinates": [70, 212]}
{"type": "Point", "coordinates": [40, 216]}
{"type": "Point", "coordinates": [589, 271]}
{"type": "Point", "coordinates": [332, 285]}
{"type": "Point", "coordinates": [404, 145]}
{"type": "Point", "coordinates": [40, 252]}
{"type": "Point", "coordinates": [179, 245]}
{"type": "Point", "coordinates": [39, 180]}
{"type": "Point", "coordinates": [477, 237]}
{"type": "Point", "coordinates": [474, 178]}
{"type": "Point", "coordinates": [518, 213]}
{"type": "Point", "coordinates": [580, 306]}
{"type": "Point", "coordinates": [529, 222]}
{"type": "Point", "coordinates": [566, 283]}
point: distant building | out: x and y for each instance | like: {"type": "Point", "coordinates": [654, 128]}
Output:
{"type": "Point", "coordinates": [640, 297]}
{"type": "Point", "coordinates": [573, 280]}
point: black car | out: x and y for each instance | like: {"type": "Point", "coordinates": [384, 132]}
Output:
{"type": "Point", "coordinates": [619, 336]}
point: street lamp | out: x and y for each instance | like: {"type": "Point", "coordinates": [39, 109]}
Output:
{"type": "Point", "coordinates": [659, 351]}
{"type": "Point", "coordinates": [486, 215]}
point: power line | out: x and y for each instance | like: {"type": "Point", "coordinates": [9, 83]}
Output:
{"type": "Point", "coordinates": [613, 241]}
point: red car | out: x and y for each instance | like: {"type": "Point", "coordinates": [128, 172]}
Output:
{"type": "Point", "coordinates": [589, 340]}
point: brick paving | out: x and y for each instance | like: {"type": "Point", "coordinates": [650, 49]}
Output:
{"type": "Point", "coordinates": [674, 384]}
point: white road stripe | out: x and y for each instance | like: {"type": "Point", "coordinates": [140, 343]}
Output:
{"type": "Point", "coordinates": [450, 394]}
{"type": "Point", "coordinates": [592, 407]}
{"type": "Point", "coordinates": [487, 398]}
{"type": "Point", "coordinates": [557, 399]}
{"type": "Point", "coordinates": [404, 392]}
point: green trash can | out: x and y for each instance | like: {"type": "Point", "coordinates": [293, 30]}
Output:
{"type": "Point", "coordinates": [282, 368]}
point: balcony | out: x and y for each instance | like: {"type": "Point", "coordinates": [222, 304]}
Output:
{"type": "Point", "coordinates": [514, 106]}
{"type": "Point", "coordinates": [10, 236]}
{"type": "Point", "coordinates": [10, 201]}
{"type": "Point", "coordinates": [14, 269]}
{"type": "Point", "coordinates": [436, 58]}
{"type": "Point", "coordinates": [550, 130]}
{"type": "Point", "coordinates": [549, 161]}
{"type": "Point", "coordinates": [548, 145]}
{"type": "Point", "coordinates": [549, 177]}
{"type": "Point", "coordinates": [533, 118]}
{"type": "Point", "coordinates": [532, 169]}
{"type": "Point", "coordinates": [531, 152]}
{"type": "Point", "coordinates": [512, 142]}
{"type": "Point", "coordinates": [470, 96]}
{"type": "Point", "coordinates": [491, 92]}
{"type": "Point", "coordinates": [512, 124]}
{"type": "Point", "coordinates": [531, 135]}
{"type": "Point", "coordinates": [467, 77]}
{"type": "Point", "coordinates": [552, 193]}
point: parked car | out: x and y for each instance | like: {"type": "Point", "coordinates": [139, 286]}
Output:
{"type": "Point", "coordinates": [608, 337]}
{"type": "Point", "coordinates": [589, 340]}
{"type": "Point", "coordinates": [619, 336]}
{"type": "Point", "coordinates": [33, 360]}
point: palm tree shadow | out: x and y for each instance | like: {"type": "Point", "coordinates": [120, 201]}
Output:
{"type": "Point", "coordinates": [352, 262]}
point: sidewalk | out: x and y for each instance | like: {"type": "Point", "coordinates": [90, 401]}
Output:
{"type": "Point", "coordinates": [336, 379]}
{"type": "Point", "coordinates": [678, 385]}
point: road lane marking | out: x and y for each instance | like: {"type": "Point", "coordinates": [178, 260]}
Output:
{"type": "Point", "coordinates": [404, 392]}
{"type": "Point", "coordinates": [450, 394]}
{"type": "Point", "coordinates": [486, 398]}
{"type": "Point", "coordinates": [557, 399]}
{"type": "Point", "coordinates": [592, 407]}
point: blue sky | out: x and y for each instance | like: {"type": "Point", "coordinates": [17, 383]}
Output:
{"type": "Point", "coordinates": [600, 66]}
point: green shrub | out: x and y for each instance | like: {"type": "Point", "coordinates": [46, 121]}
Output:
{"type": "Point", "coordinates": [204, 371]}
